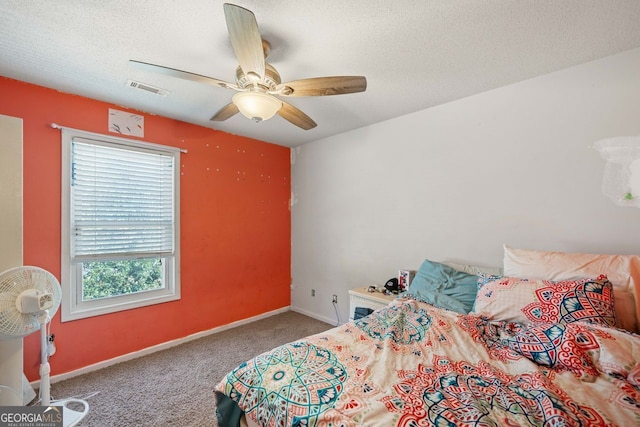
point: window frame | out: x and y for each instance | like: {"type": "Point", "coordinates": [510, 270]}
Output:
{"type": "Point", "coordinates": [72, 306]}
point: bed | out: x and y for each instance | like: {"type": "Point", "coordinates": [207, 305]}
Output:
{"type": "Point", "coordinates": [551, 338]}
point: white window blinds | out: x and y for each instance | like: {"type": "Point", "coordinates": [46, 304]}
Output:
{"type": "Point", "coordinates": [122, 201]}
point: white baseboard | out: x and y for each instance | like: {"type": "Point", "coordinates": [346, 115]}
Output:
{"type": "Point", "coordinates": [314, 315]}
{"type": "Point", "coordinates": [158, 347]}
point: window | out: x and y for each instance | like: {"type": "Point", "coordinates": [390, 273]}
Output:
{"type": "Point", "coordinates": [120, 224]}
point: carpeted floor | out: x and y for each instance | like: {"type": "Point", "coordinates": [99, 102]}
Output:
{"type": "Point", "coordinates": [174, 387]}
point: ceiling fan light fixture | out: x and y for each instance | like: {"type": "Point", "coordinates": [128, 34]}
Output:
{"type": "Point", "coordinates": [257, 106]}
{"type": "Point", "coordinates": [258, 81]}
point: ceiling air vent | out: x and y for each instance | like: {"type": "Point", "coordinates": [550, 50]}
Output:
{"type": "Point", "coordinates": [148, 88]}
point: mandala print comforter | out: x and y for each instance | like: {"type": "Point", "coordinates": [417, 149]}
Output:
{"type": "Point", "coordinates": [412, 364]}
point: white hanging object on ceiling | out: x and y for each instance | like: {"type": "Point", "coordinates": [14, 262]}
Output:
{"type": "Point", "coordinates": [621, 179]}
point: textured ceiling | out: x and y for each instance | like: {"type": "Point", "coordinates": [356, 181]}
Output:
{"type": "Point", "coordinates": [415, 53]}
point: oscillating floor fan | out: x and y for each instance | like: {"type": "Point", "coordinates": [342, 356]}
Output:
{"type": "Point", "coordinates": [29, 298]}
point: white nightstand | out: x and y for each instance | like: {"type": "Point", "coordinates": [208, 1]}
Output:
{"type": "Point", "coordinates": [360, 297]}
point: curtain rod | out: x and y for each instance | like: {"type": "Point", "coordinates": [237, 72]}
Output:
{"type": "Point", "coordinates": [57, 126]}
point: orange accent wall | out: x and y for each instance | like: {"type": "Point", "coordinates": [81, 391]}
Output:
{"type": "Point", "coordinates": [235, 227]}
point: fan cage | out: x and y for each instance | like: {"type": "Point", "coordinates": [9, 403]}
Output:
{"type": "Point", "coordinates": [13, 282]}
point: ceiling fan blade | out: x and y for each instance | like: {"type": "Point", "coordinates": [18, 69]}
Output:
{"type": "Point", "coordinates": [322, 86]}
{"type": "Point", "coordinates": [245, 39]}
{"type": "Point", "coordinates": [182, 74]}
{"type": "Point", "coordinates": [296, 116]}
{"type": "Point", "coordinates": [225, 112]}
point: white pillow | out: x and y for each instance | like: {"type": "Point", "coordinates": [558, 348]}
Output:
{"type": "Point", "coordinates": [623, 271]}
{"type": "Point", "coordinates": [476, 270]}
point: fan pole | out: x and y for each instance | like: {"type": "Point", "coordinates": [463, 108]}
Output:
{"type": "Point", "coordinates": [45, 368]}
{"type": "Point", "coordinates": [71, 417]}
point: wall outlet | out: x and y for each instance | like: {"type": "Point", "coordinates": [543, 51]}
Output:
{"type": "Point", "coordinates": [51, 346]}
{"type": "Point", "coordinates": [313, 292]}
{"type": "Point", "coordinates": [335, 299]}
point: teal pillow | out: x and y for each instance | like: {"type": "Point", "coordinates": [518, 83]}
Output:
{"type": "Point", "coordinates": [440, 285]}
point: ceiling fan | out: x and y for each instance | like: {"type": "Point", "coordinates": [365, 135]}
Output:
{"type": "Point", "coordinates": [258, 83]}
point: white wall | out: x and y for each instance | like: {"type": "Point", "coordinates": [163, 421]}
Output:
{"type": "Point", "coordinates": [10, 245]}
{"type": "Point", "coordinates": [513, 165]}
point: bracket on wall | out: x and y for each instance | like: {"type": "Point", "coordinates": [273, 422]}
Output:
{"type": "Point", "coordinates": [621, 179]}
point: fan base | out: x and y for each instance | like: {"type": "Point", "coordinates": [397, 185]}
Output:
{"type": "Point", "coordinates": [269, 83]}
{"type": "Point", "coordinates": [71, 417]}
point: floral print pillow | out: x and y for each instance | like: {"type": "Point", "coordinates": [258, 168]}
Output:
{"type": "Point", "coordinates": [531, 301]}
